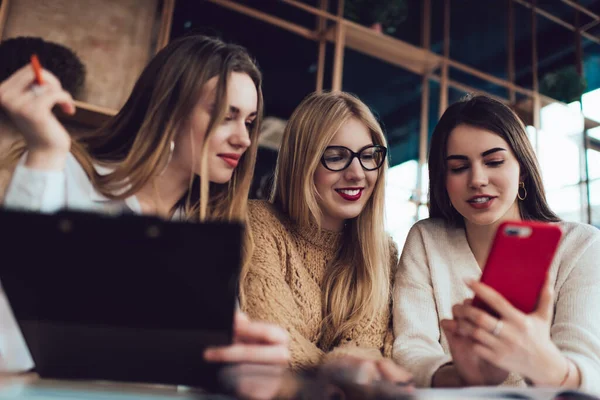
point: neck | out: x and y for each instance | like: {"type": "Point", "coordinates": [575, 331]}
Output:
{"type": "Point", "coordinates": [160, 195]}
{"type": "Point", "coordinates": [481, 237]}
{"type": "Point", "coordinates": [331, 224]}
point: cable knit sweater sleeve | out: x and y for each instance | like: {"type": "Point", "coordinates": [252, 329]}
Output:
{"type": "Point", "coordinates": [268, 295]}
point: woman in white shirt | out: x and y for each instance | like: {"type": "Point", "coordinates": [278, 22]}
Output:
{"type": "Point", "coordinates": [482, 171]}
{"type": "Point", "coordinates": [193, 113]}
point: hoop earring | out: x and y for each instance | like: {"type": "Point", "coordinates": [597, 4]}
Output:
{"type": "Point", "coordinates": [171, 148]}
{"type": "Point", "coordinates": [521, 186]}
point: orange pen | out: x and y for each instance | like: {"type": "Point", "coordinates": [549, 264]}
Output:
{"type": "Point", "coordinates": [37, 69]}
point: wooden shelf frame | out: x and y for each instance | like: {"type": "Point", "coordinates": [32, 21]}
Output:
{"type": "Point", "coordinates": [421, 60]}
{"type": "Point", "coordinates": [88, 114]}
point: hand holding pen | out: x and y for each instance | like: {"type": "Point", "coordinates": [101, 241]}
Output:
{"type": "Point", "coordinates": [28, 96]}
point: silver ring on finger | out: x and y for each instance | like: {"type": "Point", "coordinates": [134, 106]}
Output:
{"type": "Point", "coordinates": [497, 328]}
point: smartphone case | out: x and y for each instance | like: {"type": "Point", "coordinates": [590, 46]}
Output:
{"type": "Point", "coordinates": [518, 262]}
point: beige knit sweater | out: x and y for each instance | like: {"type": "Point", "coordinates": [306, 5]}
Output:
{"type": "Point", "coordinates": [284, 286]}
{"type": "Point", "coordinates": [436, 262]}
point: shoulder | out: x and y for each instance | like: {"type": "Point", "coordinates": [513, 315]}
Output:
{"type": "Point", "coordinates": [265, 219]}
{"type": "Point", "coordinates": [262, 211]}
{"type": "Point", "coordinates": [575, 231]}
{"type": "Point", "coordinates": [432, 229]}
{"type": "Point", "coordinates": [578, 238]}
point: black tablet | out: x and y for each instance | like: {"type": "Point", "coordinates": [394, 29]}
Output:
{"type": "Point", "coordinates": [126, 298]}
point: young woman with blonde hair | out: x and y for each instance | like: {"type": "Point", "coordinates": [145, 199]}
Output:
{"type": "Point", "coordinates": [183, 146]}
{"type": "Point", "coordinates": [321, 260]}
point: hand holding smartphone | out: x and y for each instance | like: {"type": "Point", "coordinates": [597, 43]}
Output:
{"type": "Point", "coordinates": [519, 261]}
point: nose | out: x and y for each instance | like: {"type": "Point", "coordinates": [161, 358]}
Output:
{"type": "Point", "coordinates": [240, 137]}
{"type": "Point", "coordinates": [478, 177]}
{"type": "Point", "coordinates": [355, 171]}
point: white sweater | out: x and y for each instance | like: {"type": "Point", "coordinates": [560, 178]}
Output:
{"type": "Point", "coordinates": [436, 262]}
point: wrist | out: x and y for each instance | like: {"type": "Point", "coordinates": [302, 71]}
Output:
{"type": "Point", "coordinates": [556, 374]}
{"type": "Point", "coordinates": [46, 158]}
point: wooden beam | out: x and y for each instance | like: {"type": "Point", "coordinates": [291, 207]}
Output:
{"type": "Point", "coordinates": [466, 88]}
{"type": "Point", "coordinates": [315, 11]}
{"type": "Point", "coordinates": [426, 25]}
{"type": "Point", "coordinates": [338, 57]}
{"type": "Point", "coordinates": [578, 47]}
{"type": "Point", "coordinates": [534, 50]}
{"type": "Point", "coordinates": [488, 77]}
{"type": "Point", "coordinates": [555, 19]}
{"type": "Point", "coordinates": [537, 107]}
{"type": "Point", "coordinates": [261, 16]}
{"type": "Point", "coordinates": [321, 25]}
{"type": "Point", "coordinates": [424, 123]}
{"type": "Point", "coordinates": [4, 5]}
{"type": "Point", "coordinates": [395, 51]}
{"type": "Point", "coordinates": [582, 9]}
{"type": "Point", "coordinates": [383, 47]}
{"type": "Point", "coordinates": [510, 45]}
{"type": "Point", "coordinates": [388, 49]}
{"type": "Point", "coordinates": [166, 20]}
{"type": "Point", "coordinates": [584, 168]}
{"type": "Point", "coordinates": [594, 144]}
{"type": "Point", "coordinates": [88, 115]}
{"type": "Point", "coordinates": [590, 25]}
{"type": "Point", "coordinates": [444, 81]}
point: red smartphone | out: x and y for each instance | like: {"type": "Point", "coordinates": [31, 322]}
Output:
{"type": "Point", "coordinates": [518, 262]}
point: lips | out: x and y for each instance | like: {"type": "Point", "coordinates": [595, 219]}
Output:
{"type": "Point", "coordinates": [350, 194]}
{"type": "Point", "coordinates": [231, 159]}
{"type": "Point", "coordinates": [481, 202]}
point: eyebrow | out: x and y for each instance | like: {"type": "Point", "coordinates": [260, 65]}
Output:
{"type": "Point", "coordinates": [236, 111]}
{"type": "Point", "coordinates": [485, 153]}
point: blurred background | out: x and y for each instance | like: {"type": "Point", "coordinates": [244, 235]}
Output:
{"type": "Point", "coordinates": [407, 59]}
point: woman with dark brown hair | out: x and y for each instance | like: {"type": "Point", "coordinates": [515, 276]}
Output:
{"type": "Point", "coordinates": [483, 171]}
{"type": "Point", "coordinates": [183, 146]}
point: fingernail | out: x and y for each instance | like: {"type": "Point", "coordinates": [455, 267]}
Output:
{"type": "Point", "coordinates": [409, 382]}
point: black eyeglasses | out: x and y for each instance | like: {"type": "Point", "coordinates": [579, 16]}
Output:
{"type": "Point", "coordinates": [338, 158]}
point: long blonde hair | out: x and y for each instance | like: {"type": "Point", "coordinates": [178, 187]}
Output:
{"type": "Point", "coordinates": [137, 141]}
{"type": "Point", "coordinates": [357, 282]}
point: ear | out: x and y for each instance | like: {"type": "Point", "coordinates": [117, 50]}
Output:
{"type": "Point", "coordinates": [523, 175]}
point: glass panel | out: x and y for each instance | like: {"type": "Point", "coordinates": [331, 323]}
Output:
{"type": "Point", "coordinates": [560, 145]}
{"type": "Point", "coordinates": [591, 104]}
{"type": "Point", "coordinates": [594, 132]}
{"type": "Point", "coordinates": [400, 207]}
{"type": "Point", "coordinates": [595, 201]}
{"type": "Point", "coordinates": [567, 203]}
{"type": "Point", "coordinates": [593, 164]}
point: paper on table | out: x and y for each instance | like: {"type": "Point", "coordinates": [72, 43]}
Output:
{"type": "Point", "coordinates": [14, 354]}
{"type": "Point", "coordinates": [489, 392]}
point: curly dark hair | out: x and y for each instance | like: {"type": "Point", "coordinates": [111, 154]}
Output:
{"type": "Point", "coordinates": [61, 61]}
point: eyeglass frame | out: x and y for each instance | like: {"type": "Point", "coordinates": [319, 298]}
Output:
{"type": "Point", "coordinates": [354, 155]}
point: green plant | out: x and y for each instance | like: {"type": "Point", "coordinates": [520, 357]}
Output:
{"type": "Point", "coordinates": [389, 13]}
{"type": "Point", "coordinates": [564, 84]}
